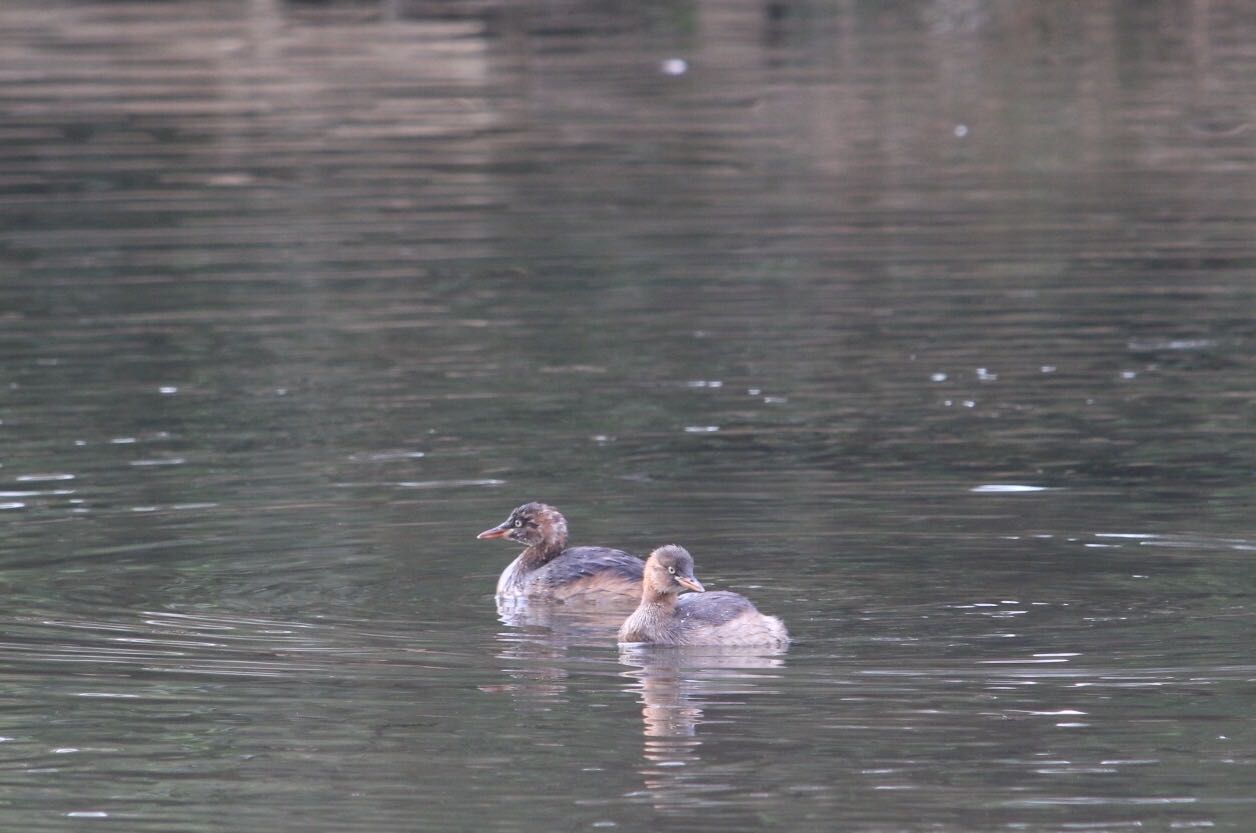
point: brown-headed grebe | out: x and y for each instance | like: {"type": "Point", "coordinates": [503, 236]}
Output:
{"type": "Point", "coordinates": [719, 618]}
{"type": "Point", "coordinates": [548, 568]}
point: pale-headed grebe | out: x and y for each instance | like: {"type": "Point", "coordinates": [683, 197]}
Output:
{"type": "Point", "coordinates": [719, 618]}
{"type": "Point", "coordinates": [548, 568]}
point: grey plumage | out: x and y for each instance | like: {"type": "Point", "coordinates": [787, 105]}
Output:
{"type": "Point", "coordinates": [713, 607]}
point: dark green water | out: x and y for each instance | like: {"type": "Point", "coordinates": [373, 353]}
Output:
{"type": "Point", "coordinates": [927, 325]}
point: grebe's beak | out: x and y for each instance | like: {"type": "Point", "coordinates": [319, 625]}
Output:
{"type": "Point", "coordinates": [499, 531]}
{"type": "Point", "coordinates": [691, 582]}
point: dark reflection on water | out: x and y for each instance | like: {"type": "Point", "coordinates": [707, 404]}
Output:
{"type": "Point", "coordinates": [926, 325]}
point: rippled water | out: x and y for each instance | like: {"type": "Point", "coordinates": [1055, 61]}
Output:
{"type": "Point", "coordinates": [927, 325]}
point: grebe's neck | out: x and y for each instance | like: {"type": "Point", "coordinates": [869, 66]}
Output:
{"type": "Point", "coordinates": [651, 597]}
{"type": "Point", "coordinates": [539, 554]}
{"type": "Point", "coordinates": [649, 621]}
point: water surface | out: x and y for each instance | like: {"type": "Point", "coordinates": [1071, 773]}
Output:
{"type": "Point", "coordinates": [927, 325]}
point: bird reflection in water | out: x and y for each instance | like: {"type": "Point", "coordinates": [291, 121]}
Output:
{"type": "Point", "coordinates": [675, 687]}
{"type": "Point", "coordinates": [540, 637]}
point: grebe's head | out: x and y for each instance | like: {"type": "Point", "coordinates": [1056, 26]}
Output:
{"type": "Point", "coordinates": [532, 524]}
{"type": "Point", "coordinates": [670, 570]}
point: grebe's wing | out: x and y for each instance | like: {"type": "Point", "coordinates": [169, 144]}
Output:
{"type": "Point", "coordinates": [713, 608]}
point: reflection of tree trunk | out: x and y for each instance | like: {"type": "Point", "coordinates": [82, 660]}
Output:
{"type": "Point", "coordinates": [1096, 84]}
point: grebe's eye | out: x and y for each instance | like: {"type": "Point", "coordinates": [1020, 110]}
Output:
{"type": "Point", "coordinates": [671, 570]}
{"type": "Point", "coordinates": [518, 522]}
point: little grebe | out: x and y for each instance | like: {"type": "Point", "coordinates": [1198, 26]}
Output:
{"type": "Point", "coordinates": [548, 568]}
{"type": "Point", "coordinates": [719, 618]}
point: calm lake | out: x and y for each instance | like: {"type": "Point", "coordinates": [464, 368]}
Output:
{"type": "Point", "coordinates": [927, 325]}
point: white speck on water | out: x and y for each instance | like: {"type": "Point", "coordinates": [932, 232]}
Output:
{"type": "Point", "coordinates": [753, 391]}
{"type": "Point", "coordinates": [109, 695]}
{"type": "Point", "coordinates": [705, 383]}
{"type": "Point", "coordinates": [1172, 344]}
{"type": "Point", "coordinates": [1136, 575]}
{"type": "Point", "coordinates": [968, 403]}
{"type": "Point", "coordinates": [144, 508]}
{"type": "Point", "coordinates": [1006, 488]}
{"type": "Point", "coordinates": [1103, 546]}
{"type": "Point", "coordinates": [774, 400]}
{"type": "Point", "coordinates": [1125, 535]}
{"type": "Point", "coordinates": [80, 443]}
{"type": "Point", "coordinates": [168, 390]}
{"type": "Point", "coordinates": [38, 478]}
{"type": "Point", "coordinates": [604, 824]}
{"type": "Point", "coordinates": [65, 750]}
{"type": "Point", "coordinates": [602, 439]}
{"type": "Point", "coordinates": [674, 66]}
{"type": "Point", "coordinates": [386, 456]}
{"type": "Point", "coordinates": [438, 484]}
{"type": "Point", "coordinates": [231, 180]}
{"type": "Point", "coordinates": [87, 814]}
{"type": "Point", "coordinates": [961, 130]}
{"type": "Point", "coordinates": [1048, 368]}
{"type": "Point", "coordinates": [123, 440]}
{"type": "Point", "coordinates": [1129, 374]}
{"type": "Point", "coordinates": [13, 504]}
{"type": "Point", "coordinates": [937, 377]}
{"type": "Point", "coordinates": [701, 429]}
{"type": "Point", "coordinates": [985, 375]}
{"type": "Point", "coordinates": [281, 391]}
{"type": "Point", "coordinates": [1058, 712]}
{"type": "Point", "coordinates": [160, 461]}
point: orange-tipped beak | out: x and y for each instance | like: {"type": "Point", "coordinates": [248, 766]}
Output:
{"type": "Point", "coordinates": [691, 583]}
{"type": "Point", "coordinates": [496, 532]}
